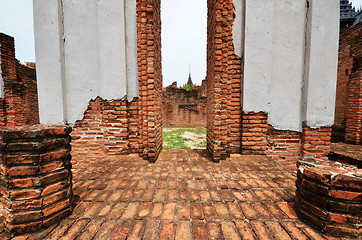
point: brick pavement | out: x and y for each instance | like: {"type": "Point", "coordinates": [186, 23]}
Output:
{"type": "Point", "coordinates": [348, 150]}
{"type": "Point", "coordinates": [182, 196]}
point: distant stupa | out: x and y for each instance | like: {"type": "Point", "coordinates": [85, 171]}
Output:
{"type": "Point", "coordinates": [189, 81]}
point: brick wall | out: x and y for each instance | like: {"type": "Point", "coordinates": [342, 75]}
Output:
{"type": "Point", "coordinates": [27, 77]}
{"type": "Point", "coordinates": [107, 127]}
{"type": "Point", "coordinates": [348, 112]}
{"type": "Point", "coordinates": [20, 103]}
{"type": "Point", "coordinates": [315, 142]}
{"type": "Point", "coordinates": [254, 132]}
{"type": "Point", "coordinates": [223, 82]}
{"type": "Point", "coordinates": [284, 146]}
{"type": "Point", "coordinates": [181, 108]}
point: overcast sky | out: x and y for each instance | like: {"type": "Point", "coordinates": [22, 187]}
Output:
{"type": "Point", "coordinates": [183, 35]}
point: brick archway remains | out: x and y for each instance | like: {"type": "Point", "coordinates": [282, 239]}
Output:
{"type": "Point", "coordinates": [230, 128]}
{"type": "Point", "coordinates": [223, 80]}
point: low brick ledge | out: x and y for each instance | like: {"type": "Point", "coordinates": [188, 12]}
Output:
{"type": "Point", "coordinates": [329, 196]}
{"type": "Point", "coordinates": [35, 176]}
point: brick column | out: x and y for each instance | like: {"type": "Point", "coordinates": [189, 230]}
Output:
{"type": "Point", "coordinates": [223, 82]}
{"type": "Point", "coordinates": [329, 197]}
{"type": "Point", "coordinates": [35, 176]}
{"type": "Point", "coordinates": [13, 89]}
{"type": "Point", "coordinates": [149, 77]}
{"type": "Point", "coordinates": [354, 103]}
{"type": "Point", "coordinates": [315, 142]}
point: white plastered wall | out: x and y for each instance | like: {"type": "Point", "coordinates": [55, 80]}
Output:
{"type": "Point", "coordinates": [84, 49]}
{"type": "Point", "coordinates": [321, 63]}
{"type": "Point", "coordinates": [287, 64]}
{"type": "Point", "coordinates": [48, 34]}
{"type": "Point", "coordinates": [290, 60]}
{"type": "Point", "coordinates": [258, 55]}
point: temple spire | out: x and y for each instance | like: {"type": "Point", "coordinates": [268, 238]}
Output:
{"type": "Point", "coordinates": [189, 81]}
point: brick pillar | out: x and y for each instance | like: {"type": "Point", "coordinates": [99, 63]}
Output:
{"type": "Point", "coordinates": [35, 176]}
{"type": "Point", "coordinates": [222, 70]}
{"type": "Point", "coordinates": [254, 133]}
{"type": "Point", "coordinates": [354, 104]}
{"type": "Point", "coordinates": [13, 89]}
{"type": "Point", "coordinates": [2, 113]}
{"type": "Point", "coordinates": [315, 142]}
{"type": "Point", "coordinates": [149, 77]}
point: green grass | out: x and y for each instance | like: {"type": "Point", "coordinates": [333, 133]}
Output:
{"type": "Point", "coordinates": [173, 138]}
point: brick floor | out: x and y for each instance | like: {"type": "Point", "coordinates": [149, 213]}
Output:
{"type": "Point", "coordinates": [182, 196]}
{"type": "Point", "coordinates": [349, 150]}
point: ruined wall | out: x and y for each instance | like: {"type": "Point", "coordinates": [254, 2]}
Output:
{"type": "Point", "coordinates": [181, 108]}
{"type": "Point", "coordinates": [110, 127]}
{"type": "Point", "coordinates": [287, 50]}
{"type": "Point", "coordinates": [84, 77]}
{"type": "Point", "coordinates": [348, 110]}
{"type": "Point", "coordinates": [18, 98]}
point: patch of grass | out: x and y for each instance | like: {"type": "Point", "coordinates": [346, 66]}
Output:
{"type": "Point", "coordinates": [174, 138]}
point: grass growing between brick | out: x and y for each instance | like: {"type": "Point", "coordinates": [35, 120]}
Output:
{"type": "Point", "coordinates": [184, 138]}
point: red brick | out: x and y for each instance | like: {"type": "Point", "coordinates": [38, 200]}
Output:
{"type": "Point", "coordinates": [90, 230]}
{"type": "Point", "coordinates": [199, 230]}
{"type": "Point", "coordinates": [122, 230]}
{"type": "Point", "coordinates": [183, 230]}
{"type": "Point", "coordinates": [229, 230]}
{"type": "Point", "coordinates": [152, 229]}
{"type": "Point", "coordinates": [168, 230]}
{"type": "Point", "coordinates": [245, 230]}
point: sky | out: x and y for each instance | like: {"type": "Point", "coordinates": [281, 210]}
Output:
{"type": "Point", "coordinates": [183, 36]}
{"type": "Point", "coordinates": [183, 40]}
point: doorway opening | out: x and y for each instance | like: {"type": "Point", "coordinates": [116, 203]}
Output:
{"type": "Point", "coordinates": [184, 40]}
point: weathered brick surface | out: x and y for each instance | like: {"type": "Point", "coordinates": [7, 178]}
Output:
{"type": "Point", "coordinates": [149, 77]}
{"type": "Point", "coordinates": [349, 84]}
{"type": "Point", "coordinates": [223, 82]}
{"type": "Point", "coordinates": [20, 103]}
{"type": "Point", "coordinates": [182, 196]}
{"type": "Point", "coordinates": [315, 142]}
{"type": "Point", "coordinates": [329, 196]}
{"type": "Point", "coordinates": [181, 108]}
{"type": "Point", "coordinates": [284, 146]}
{"type": "Point", "coordinates": [254, 133]}
{"type": "Point", "coordinates": [35, 176]}
{"type": "Point", "coordinates": [346, 153]}
{"type": "Point", "coordinates": [107, 126]}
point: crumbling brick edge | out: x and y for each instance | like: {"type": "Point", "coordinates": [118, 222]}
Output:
{"type": "Point", "coordinates": [329, 196]}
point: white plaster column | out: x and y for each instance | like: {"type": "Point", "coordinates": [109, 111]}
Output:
{"type": "Point", "coordinates": [131, 48]}
{"type": "Point", "coordinates": [258, 55]}
{"type": "Point", "coordinates": [48, 29]}
{"type": "Point", "coordinates": [239, 27]}
{"type": "Point", "coordinates": [110, 27]}
{"type": "Point", "coordinates": [287, 63]}
{"type": "Point", "coordinates": [321, 62]}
